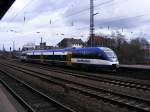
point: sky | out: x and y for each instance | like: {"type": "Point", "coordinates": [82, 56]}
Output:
{"type": "Point", "coordinates": [29, 20]}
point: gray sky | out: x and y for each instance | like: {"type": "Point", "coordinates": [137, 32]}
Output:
{"type": "Point", "coordinates": [71, 18]}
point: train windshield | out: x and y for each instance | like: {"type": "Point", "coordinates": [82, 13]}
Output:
{"type": "Point", "coordinates": [111, 54]}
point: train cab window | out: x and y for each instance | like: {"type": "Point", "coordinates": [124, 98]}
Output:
{"type": "Point", "coordinates": [24, 54]}
{"type": "Point", "coordinates": [85, 54]}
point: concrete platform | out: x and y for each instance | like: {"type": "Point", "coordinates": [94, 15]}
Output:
{"type": "Point", "coordinates": [136, 66]}
{"type": "Point", "coordinates": [8, 103]}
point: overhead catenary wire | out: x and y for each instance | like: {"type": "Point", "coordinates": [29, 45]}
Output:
{"type": "Point", "coordinates": [86, 9]}
{"type": "Point", "coordinates": [116, 20]}
{"type": "Point", "coordinates": [27, 5]}
{"type": "Point", "coordinates": [108, 18]}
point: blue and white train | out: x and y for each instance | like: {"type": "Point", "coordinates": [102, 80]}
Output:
{"type": "Point", "coordinates": [100, 57]}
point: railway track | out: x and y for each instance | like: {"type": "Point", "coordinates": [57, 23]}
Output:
{"type": "Point", "coordinates": [124, 72]}
{"type": "Point", "coordinates": [130, 102]}
{"type": "Point", "coordinates": [31, 99]}
{"type": "Point", "coordinates": [120, 75]}
{"type": "Point", "coordinates": [122, 82]}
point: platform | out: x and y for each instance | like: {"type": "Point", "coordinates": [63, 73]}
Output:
{"type": "Point", "coordinates": [8, 103]}
{"type": "Point", "coordinates": [136, 66]}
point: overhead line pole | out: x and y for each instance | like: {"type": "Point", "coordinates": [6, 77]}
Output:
{"type": "Point", "coordinates": [13, 45]}
{"type": "Point", "coordinates": [92, 23]}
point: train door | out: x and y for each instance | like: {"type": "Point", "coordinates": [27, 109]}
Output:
{"type": "Point", "coordinates": [26, 57]}
{"type": "Point", "coordinates": [68, 58]}
{"type": "Point", "coordinates": [42, 58]}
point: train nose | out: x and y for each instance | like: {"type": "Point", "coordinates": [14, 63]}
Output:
{"type": "Point", "coordinates": [114, 59]}
{"type": "Point", "coordinates": [115, 66]}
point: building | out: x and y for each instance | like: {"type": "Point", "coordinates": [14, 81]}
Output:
{"type": "Point", "coordinates": [29, 46]}
{"type": "Point", "coordinates": [99, 41]}
{"type": "Point", "coordinates": [43, 46]}
{"type": "Point", "coordinates": [146, 48]}
{"type": "Point", "coordinates": [70, 43]}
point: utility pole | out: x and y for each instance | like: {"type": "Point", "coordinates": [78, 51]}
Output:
{"type": "Point", "coordinates": [92, 40]}
{"type": "Point", "coordinates": [10, 49]}
{"type": "Point", "coordinates": [41, 40]}
{"type": "Point", "coordinates": [13, 45]}
{"type": "Point", "coordinates": [3, 47]}
{"type": "Point", "coordinates": [122, 29]}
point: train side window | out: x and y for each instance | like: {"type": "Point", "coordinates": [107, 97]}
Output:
{"type": "Point", "coordinates": [101, 57]}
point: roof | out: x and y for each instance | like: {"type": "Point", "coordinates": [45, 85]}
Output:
{"type": "Point", "coordinates": [71, 40]}
{"type": "Point", "coordinates": [4, 6]}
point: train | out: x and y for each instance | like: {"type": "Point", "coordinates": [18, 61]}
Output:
{"type": "Point", "coordinates": [96, 57]}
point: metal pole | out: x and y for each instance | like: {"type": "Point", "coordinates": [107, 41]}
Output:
{"type": "Point", "coordinates": [92, 23]}
{"type": "Point", "coordinates": [3, 47]}
{"type": "Point", "coordinates": [13, 45]}
{"type": "Point", "coordinates": [41, 40]}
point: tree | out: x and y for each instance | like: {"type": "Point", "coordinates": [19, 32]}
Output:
{"type": "Point", "coordinates": [134, 51]}
{"type": "Point", "coordinates": [137, 53]}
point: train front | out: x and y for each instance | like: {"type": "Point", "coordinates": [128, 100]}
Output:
{"type": "Point", "coordinates": [112, 57]}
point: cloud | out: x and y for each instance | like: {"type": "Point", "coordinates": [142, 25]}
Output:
{"type": "Point", "coordinates": [71, 18]}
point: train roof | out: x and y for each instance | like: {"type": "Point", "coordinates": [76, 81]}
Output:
{"type": "Point", "coordinates": [92, 48]}
{"type": "Point", "coordinates": [72, 49]}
